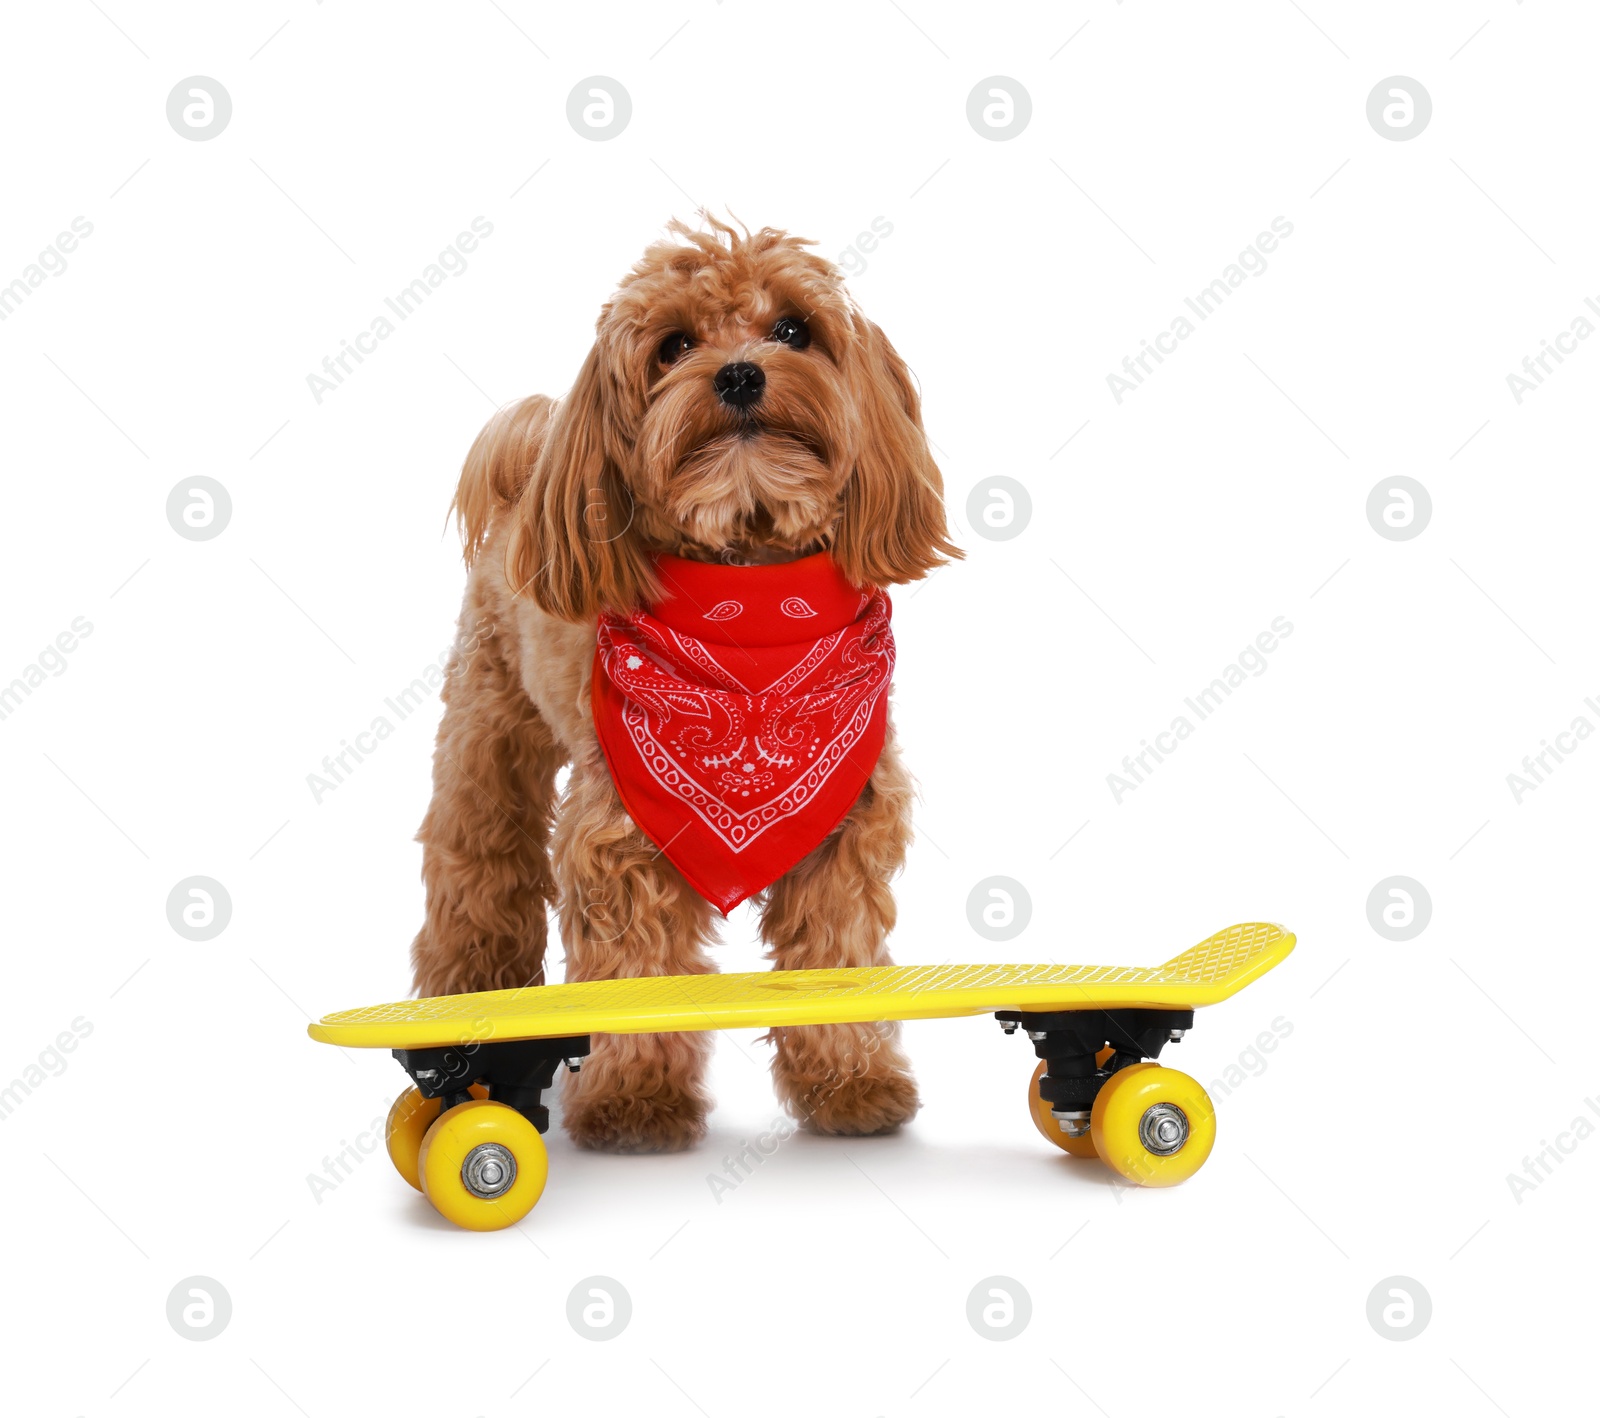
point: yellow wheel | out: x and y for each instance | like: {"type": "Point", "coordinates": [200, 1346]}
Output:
{"type": "Point", "coordinates": [1049, 1128]}
{"type": "Point", "coordinates": [410, 1117]}
{"type": "Point", "coordinates": [1153, 1125]}
{"type": "Point", "coordinates": [483, 1165]}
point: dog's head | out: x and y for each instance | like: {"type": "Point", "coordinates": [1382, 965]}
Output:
{"type": "Point", "coordinates": [736, 407]}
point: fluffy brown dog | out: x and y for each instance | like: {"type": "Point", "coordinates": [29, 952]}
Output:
{"type": "Point", "coordinates": [562, 506]}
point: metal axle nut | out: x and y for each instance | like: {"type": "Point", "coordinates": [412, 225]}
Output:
{"type": "Point", "coordinates": [488, 1171]}
{"type": "Point", "coordinates": [1073, 1122]}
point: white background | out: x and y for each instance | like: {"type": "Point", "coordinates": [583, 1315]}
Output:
{"type": "Point", "coordinates": [1165, 535]}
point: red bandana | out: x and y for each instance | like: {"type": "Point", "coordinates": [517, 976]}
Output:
{"type": "Point", "coordinates": [742, 715]}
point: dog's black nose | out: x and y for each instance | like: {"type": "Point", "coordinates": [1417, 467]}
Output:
{"type": "Point", "coordinates": [739, 385]}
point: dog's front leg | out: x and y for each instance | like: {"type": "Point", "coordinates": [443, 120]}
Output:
{"type": "Point", "coordinates": [835, 908]}
{"type": "Point", "coordinates": [626, 912]}
{"type": "Point", "coordinates": [485, 838]}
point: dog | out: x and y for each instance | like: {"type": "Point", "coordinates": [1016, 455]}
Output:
{"type": "Point", "coordinates": [736, 410]}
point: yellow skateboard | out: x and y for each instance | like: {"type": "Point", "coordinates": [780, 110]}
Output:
{"type": "Point", "coordinates": [467, 1135]}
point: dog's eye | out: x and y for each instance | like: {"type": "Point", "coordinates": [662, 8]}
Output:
{"type": "Point", "coordinates": [792, 332]}
{"type": "Point", "coordinates": [674, 345]}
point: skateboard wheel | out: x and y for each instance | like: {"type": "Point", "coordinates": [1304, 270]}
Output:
{"type": "Point", "coordinates": [1049, 1128]}
{"type": "Point", "coordinates": [409, 1119]}
{"type": "Point", "coordinates": [1153, 1125]}
{"type": "Point", "coordinates": [483, 1165]}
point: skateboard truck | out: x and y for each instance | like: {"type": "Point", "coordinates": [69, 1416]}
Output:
{"type": "Point", "coordinates": [1083, 1048]}
{"type": "Point", "coordinates": [516, 1073]}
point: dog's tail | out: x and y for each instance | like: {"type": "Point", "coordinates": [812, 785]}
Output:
{"type": "Point", "coordinates": [498, 468]}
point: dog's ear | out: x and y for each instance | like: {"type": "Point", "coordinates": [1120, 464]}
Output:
{"type": "Point", "coordinates": [892, 529]}
{"type": "Point", "coordinates": [572, 545]}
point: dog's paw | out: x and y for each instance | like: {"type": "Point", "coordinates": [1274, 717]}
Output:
{"type": "Point", "coordinates": [857, 1107]}
{"type": "Point", "coordinates": [669, 1122]}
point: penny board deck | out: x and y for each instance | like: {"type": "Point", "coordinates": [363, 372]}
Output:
{"type": "Point", "coordinates": [1220, 966]}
